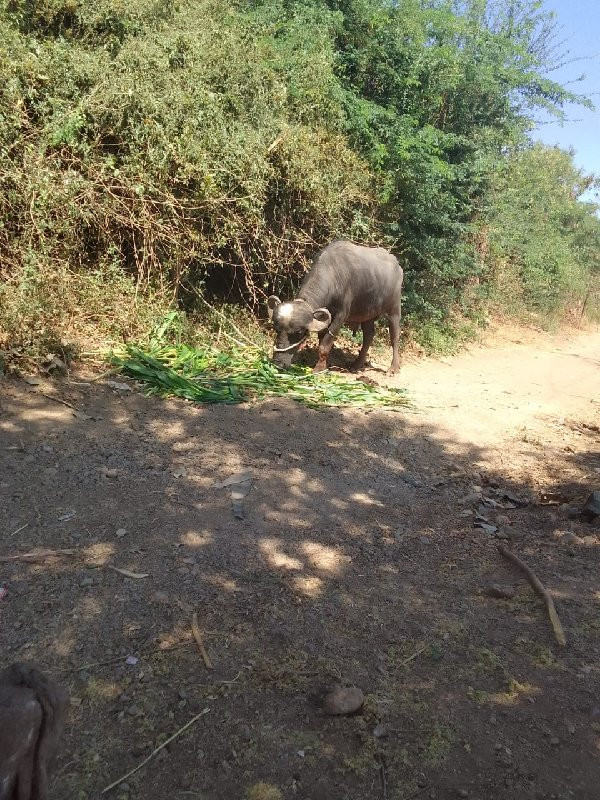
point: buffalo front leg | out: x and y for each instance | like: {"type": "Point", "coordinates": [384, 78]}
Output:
{"type": "Point", "coordinates": [326, 340]}
{"type": "Point", "coordinates": [394, 321]}
{"type": "Point", "coordinates": [368, 329]}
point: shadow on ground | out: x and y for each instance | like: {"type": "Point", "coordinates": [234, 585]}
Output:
{"type": "Point", "coordinates": [358, 561]}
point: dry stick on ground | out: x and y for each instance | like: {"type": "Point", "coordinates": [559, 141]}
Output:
{"type": "Point", "coordinates": [384, 788]}
{"type": "Point", "coordinates": [539, 588]}
{"type": "Point", "coordinates": [414, 655]}
{"type": "Point", "coordinates": [158, 749]}
{"type": "Point", "coordinates": [40, 555]}
{"type": "Point", "coordinates": [198, 638]}
{"type": "Point", "coordinates": [22, 528]}
{"type": "Point", "coordinates": [58, 400]}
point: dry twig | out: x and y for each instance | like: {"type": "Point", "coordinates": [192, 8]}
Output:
{"type": "Point", "coordinates": [539, 588]}
{"type": "Point", "coordinates": [39, 555]}
{"type": "Point", "coordinates": [157, 750]}
{"type": "Point", "coordinates": [58, 400]}
{"type": "Point", "coordinates": [414, 655]}
{"type": "Point", "coordinates": [198, 638]}
{"type": "Point", "coordinates": [384, 786]}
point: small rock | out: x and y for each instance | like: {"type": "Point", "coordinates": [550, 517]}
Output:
{"type": "Point", "coordinates": [498, 747]}
{"type": "Point", "coordinates": [463, 793]}
{"type": "Point", "coordinates": [503, 533]}
{"type": "Point", "coordinates": [555, 741]}
{"type": "Point", "coordinates": [343, 700]}
{"type": "Point", "coordinates": [53, 362]}
{"type": "Point", "coordinates": [572, 511]}
{"type": "Point", "coordinates": [469, 498]}
{"type": "Point", "coordinates": [424, 539]}
{"type": "Point", "coordinates": [500, 591]}
{"type": "Point", "coordinates": [47, 448]}
{"type": "Point", "coordinates": [109, 472]}
{"type": "Point", "coordinates": [118, 386]}
{"type": "Point", "coordinates": [571, 538]}
{"type": "Point", "coordinates": [589, 540]}
{"type": "Point", "coordinates": [381, 730]}
{"type": "Point", "coordinates": [502, 519]}
{"type": "Point", "coordinates": [86, 582]}
{"type": "Point", "coordinates": [489, 529]}
{"type": "Point", "coordinates": [134, 711]}
{"type": "Point", "coordinates": [160, 597]}
{"type": "Point", "coordinates": [120, 533]}
{"type": "Point", "coordinates": [124, 787]}
{"type": "Point", "coordinates": [591, 507]}
{"type": "Point", "coordinates": [246, 733]}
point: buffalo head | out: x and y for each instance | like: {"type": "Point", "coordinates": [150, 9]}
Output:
{"type": "Point", "coordinates": [293, 322]}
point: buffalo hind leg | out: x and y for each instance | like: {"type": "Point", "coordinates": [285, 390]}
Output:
{"type": "Point", "coordinates": [368, 329]}
{"type": "Point", "coordinates": [394, 321]}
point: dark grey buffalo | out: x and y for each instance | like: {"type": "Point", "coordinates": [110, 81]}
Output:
{"type": "Point", "coordinates": [347, 284]}
{"type": "Point", "coordinates": [33, 710]}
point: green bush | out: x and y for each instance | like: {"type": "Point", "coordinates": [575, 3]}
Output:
{"type": "Point", "coordinates": [154, 149]}
{"type": "Point", "coordinates": [543, 241]}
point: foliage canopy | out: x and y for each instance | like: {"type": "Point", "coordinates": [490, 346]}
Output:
{"type": "Point", "coordinates": [153, 148]}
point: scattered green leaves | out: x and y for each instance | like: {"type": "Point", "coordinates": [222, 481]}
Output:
{"type": "Point", "coordinates": [208, 375]}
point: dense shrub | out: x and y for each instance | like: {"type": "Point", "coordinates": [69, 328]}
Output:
{"type": "Point", "coordinates": [151, 149]}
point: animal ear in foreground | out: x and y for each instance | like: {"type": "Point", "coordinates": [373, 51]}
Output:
{"type": "Point", "coordinates": [33, 710]}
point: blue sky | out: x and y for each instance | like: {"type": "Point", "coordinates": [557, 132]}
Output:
{"type": "Point", "coordinates": [579, 21]}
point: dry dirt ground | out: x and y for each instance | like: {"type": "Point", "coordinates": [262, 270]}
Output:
{"type": "Point", "coordinates": [358, 561]}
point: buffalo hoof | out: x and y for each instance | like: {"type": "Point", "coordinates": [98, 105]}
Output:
{"type": "Point", "coordinates": [320, 366]}
{"type": "Point", "coordinates": [357, 366]}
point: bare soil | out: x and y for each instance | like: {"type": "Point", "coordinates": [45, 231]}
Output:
{"type": "Point", "coordinates": [358, 562]}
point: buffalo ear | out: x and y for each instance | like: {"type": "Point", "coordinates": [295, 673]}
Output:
{"type": "Point", "coordinates": [272, 304]}
{"type": "Point", "coordinates": [320, 321]}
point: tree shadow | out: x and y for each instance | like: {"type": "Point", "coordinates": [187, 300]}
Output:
{"type": "Point", "coordinates": [358, 561]}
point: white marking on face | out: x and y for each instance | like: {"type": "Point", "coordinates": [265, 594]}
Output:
{"type": "Point", "coordinates": [285, 312]}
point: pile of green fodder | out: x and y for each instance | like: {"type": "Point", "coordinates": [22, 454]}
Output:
{"type": "Point", "coordinates": [209, 375]}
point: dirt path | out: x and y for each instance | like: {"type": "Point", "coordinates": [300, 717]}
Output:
{"type": "Point", "coordinates": [360, 560]}
{"type": "Point", "coordinates": [490, 393]}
